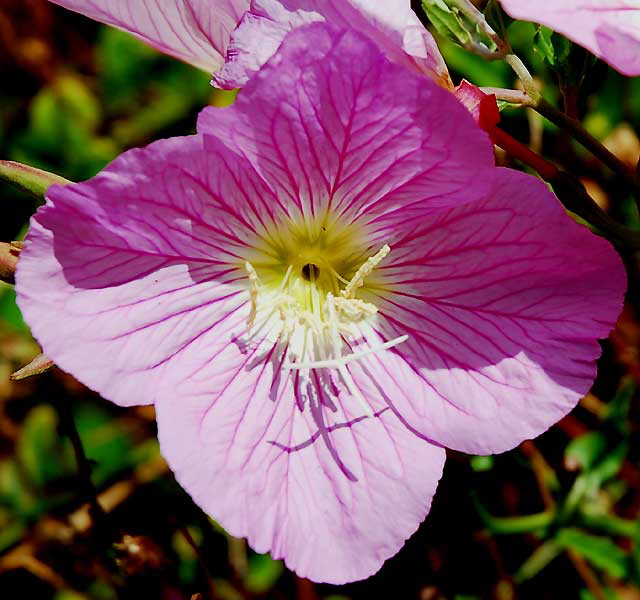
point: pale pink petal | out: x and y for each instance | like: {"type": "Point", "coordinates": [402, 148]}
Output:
{"type": "Point", "coordinates": [332, 492]}
{"type": "Point", "coordinates": [391, 25]}
{"type": "Point", "coordinates": [503, 301]}
{"type": "Point", "coordinates": [344, 137]}
{"type": "Point", "coordinates": [610, 29]}
{"type": "Point", "coordinates": [196, 31]}
{"type": "Point", "coordinates": [119, 275]}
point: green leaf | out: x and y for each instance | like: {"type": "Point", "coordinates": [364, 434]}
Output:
{"type": "Point", "coordinates": [611, 463]}
{"type": "Point", "coordinates": [618, 408]}
{"type": "Point", "coordinates": [481, 463]}
{"type": "Point", "coordinates": [611, 524]}
{"type": "Point", "coordinates": [553, 47]}
{"type": "Point", "coordinates": [609, 594]}
{"type": "Point", "coordinates": [9, 312]}
{"type": "Point", "coordinates": [544, 45]}
{"type": "Point", "coordinates": [599, 551]}
{"type": "Point", "coordinates": [43, 454]}
{"type": "Point", "coordinates": [447, 21]}
{"type": "Point", "coordinates": [509, 525]}
{"type": "Point", "coordinates": [107, 443]}
{"type": "Point", "coordinates": [263, 573]}
{"type": "Point", "coordinates": [584, 450]}
{"type": "Point", "coordinates": [538, 561]}
{"type": "Point", "coordinates": [479, 71]}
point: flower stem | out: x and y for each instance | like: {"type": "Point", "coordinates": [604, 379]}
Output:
{"type": "Point", "coordinates": [85, 483]}
{"type": "Point", "coordinates": [29, 179]}
{"type": "Point", "coordinates": [525, 77]}
{"type": "Point", "coordinates": [587, 140]}
{"type": "Point", "coordinates": [523, 153]}
{"type": "Point", "coordinates": [534, 99]}
{"type": "Point", "coordinates": [569, 191]}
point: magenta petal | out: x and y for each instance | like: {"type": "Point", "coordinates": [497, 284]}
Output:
{"type": "Point", "coordinates": [391, 25]}
{"type": "Point", "coordinates": [196, 31]}
{"type": "Point", "coordinates": [610, 29]}
{"type": "Point", "coordinates": [122, 273]}
{"type": "Point", "coordinates": [503, 301]}
{"type": "Point", "coordinates": [343, 137]}
{"type": "Point", "coordinates": [331, 492]}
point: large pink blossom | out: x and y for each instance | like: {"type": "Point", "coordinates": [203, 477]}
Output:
{"type": "Point", "coordinates": [320, 291]}
{"type": "Point", "coordinates": [608, 28]}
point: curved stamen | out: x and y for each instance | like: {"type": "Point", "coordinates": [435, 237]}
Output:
{"type": "Point", "coordinates": [314, 324]}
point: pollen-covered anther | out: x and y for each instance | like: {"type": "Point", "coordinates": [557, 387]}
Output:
{"type": "Point", "coordinates": [315, 325]}
{"type": "Point", "coordinates": [370, 264]}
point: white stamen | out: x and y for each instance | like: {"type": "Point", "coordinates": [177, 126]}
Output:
{"type": "Point", "coordinates": [336, 363]}
{"type": "Point", "coordinates": [309, 322]}
{"type": "Point", "coordinates": [370, 264]}
{"type": "Point", "coordinates": [254, 290]}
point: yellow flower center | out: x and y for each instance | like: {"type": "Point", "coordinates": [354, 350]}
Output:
{"type": "Point", "coordinates": [304, 278]}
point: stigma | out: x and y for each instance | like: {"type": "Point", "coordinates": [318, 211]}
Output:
{"type": "Point", "coordinates": [313, 315]}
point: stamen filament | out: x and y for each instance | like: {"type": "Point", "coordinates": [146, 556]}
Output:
{"type": "Point", "coordinates": [370, 264]}
{"type": "Point", "coordinates": [336, 363]}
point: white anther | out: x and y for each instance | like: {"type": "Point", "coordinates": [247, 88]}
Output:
{"type": "Point", "coordinates": [370, 264]}
{"type": "Point", "coordinates": [254, 290]}
{"type": "Point", "coordinates": [354, 309]}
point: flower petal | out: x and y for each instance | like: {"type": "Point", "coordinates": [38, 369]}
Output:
{"type": "Point", "coordinates": [331, 492]}
{"type": "Point", "coordinates": [391, 25]}
{"type": "Point", "coordinates": [121, 274]}
{"type": "Point", "coordinates": [504, 301]}
{"type": "Point", "coordinates": [610, 29]}
{"type": "Point", "coordinates": [342, 137]}
{"type": "Point", "coordinates": [196, 31]}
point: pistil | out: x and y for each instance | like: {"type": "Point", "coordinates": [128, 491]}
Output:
{"type": "Point", "coordinates": [311, 323]}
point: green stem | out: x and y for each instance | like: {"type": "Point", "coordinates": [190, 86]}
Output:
{"type": "Point", "coordinates": [523, 524]}
{"type": "Point", "coordinates": [587, 140]}
{"type": "Point", "coordinates": [34, 182]}
{"type": "Point", "coordinates": [534, 99]}
{"type": "Point", "coordinates": [573, 196]}
{"type": "Point", "coordinates": [528, 83]}
{"type": "Point", "coordinates": [611, 524]}
{"type": "Point", "coordinates": [85, 483]}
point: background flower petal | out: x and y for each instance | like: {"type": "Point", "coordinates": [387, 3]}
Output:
{"type": "Point", "coordinates": [122, 273]}
{"type": "Point", "coordinates": [196, 31]}
{"type": "Point", "coordinates": [391, 25]}
{"type": "Point", "coordinates": [610, 29]}
{"type": "Point", "coordinates": [332, 493]}
{"type": "Point", "coordinates": [342, 137]}
{"type": "Point", "coordinates": [504, 301]}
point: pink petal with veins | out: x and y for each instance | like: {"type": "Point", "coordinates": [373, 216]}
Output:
{"type": "Point", "coordinates": [391, 25]}
{"type": "Point", "coordinates": [196, 31]}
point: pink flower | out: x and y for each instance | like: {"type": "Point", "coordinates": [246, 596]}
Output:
{"type": "Point", "coordinates": [608, 28]}
{"type": "Point", "coordinates": [196, 31]}
{"type": "Point", "coordinates": [392, 25]}
{"type": "Point", "coordinates": [320, 291]}
{"type": "Point", "coordinates": [199, 31]}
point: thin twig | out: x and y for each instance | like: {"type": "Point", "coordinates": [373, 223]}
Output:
{"type": "Point", "coordinates": [589, 578]}
{"type": "Point", "coordinates": [201, 560]}
{"type": "Point", "coordinates": [534, 99]}
{"type": "Point", "coordinates": [587, 140]}
{"type": "Point", "coordinates": [540, 470]}
{"type": "Point", "coordinates": [85, 483]}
